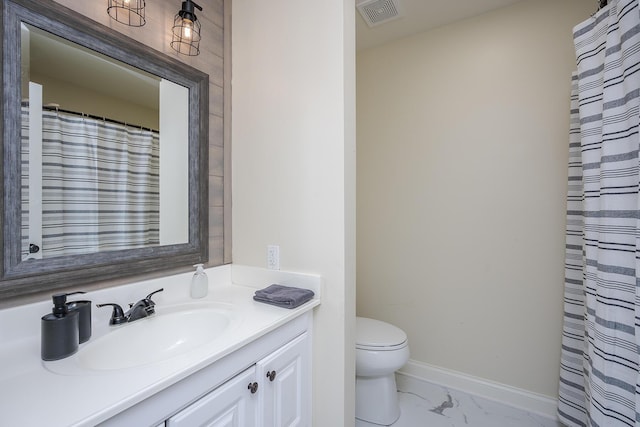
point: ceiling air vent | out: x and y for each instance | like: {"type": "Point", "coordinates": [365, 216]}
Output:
{"type": "Point", "coordinates": [376, 12]}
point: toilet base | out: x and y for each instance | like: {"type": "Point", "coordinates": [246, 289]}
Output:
{"type": "Point", "coordinates": [377, 399]}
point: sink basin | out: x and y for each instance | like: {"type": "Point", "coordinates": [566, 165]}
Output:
{"type": "Point", "coordinates": [168, 333]}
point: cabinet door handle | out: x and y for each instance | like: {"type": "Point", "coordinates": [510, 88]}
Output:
{"type": "Point", "coordinates": [271, 375]}
{"type": "Point", "coordinates": [253, 387]}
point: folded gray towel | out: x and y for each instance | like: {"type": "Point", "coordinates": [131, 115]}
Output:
{"type": "Point", "coordinates": [283, 296]}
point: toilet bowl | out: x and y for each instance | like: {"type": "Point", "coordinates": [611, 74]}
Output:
{"type": "Point", "coordinates": [381, 349]}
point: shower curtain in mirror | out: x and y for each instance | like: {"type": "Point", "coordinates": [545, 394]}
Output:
{"type": "Point", "coordinates": [600, 372]}
{"type": "Point", "coordinates": [100, 188]}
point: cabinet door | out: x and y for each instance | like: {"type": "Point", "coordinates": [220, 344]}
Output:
{"type": "Point", "coordinates": [285, 385]}
{"type": "Point", "coordinates": [230, 405]}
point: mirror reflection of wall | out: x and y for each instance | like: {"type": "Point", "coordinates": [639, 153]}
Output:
{"type": "Point", "coordinates": [92, 181]}
{"type": "Point", "coordinates": [78, 79]}
{"type": "Point", "coordinates": [174, 163]}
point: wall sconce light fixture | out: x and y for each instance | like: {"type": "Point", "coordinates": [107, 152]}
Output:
{"type": "Point", "coordinates": [129, 12]}
{"type": "Point", "coordinates": [186, 30]}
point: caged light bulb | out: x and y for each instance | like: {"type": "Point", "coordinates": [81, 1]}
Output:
{"type": "Point", "coordinates": [187, 29]}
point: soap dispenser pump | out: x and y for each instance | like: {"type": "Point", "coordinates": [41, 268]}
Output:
{"type": "Point", "coordinates": [59, 330]}
{"type": "Point", "coordinates": [199, 282]}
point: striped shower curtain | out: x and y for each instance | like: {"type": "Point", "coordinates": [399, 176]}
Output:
{"type": "Point", "coordinates": [600, 362]}
{"type": "Point", "coordinates": [100, 186]}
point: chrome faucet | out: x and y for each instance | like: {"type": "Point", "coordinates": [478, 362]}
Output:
{"type": "Point", "coordinates": [141, 309]}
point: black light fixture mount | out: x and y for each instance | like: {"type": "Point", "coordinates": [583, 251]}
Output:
{"type": "Point", "coordinates": [186, 30]}
{"type": "Point", "coordinates": [128, 12]}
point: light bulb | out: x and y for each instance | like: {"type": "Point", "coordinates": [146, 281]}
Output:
{"type": "Point", "coordinates": [187, 29]}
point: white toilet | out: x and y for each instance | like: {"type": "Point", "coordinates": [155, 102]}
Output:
{"type": "Point", "coordinates": [381, 349]}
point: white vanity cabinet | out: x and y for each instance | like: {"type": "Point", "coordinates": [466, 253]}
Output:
{"type": "Point", "coordinates": [272, 393]}
{"type": "Point", "coordinates": [204, 383]}
{"type": "Point", "coordinates": [220, 394]}
{"type": "Point", "coordinates": [285, 384]}
{"type": "Point", "coordinates": [230, 405]}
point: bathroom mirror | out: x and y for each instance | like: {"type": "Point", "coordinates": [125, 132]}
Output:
{"type": "Point", "coordinates": [104, 153]}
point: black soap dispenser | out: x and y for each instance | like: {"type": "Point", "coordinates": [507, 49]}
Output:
{"type": "Point", "coordinates": [83, 308]}
{"type": "Point", "coordinates": [59, 331]}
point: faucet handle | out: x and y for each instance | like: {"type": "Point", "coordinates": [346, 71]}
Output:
{"type": "Point", "coordinates": [153, 293]}
{"type": "Point", "coordinates": [149, 304]}
{"type": "Point", "coordinates": [117, 316]}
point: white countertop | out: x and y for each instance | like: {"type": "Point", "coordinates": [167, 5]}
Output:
{"type": "Point", "coordinates": [34, 393]}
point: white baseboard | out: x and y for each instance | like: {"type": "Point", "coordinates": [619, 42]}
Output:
{"type": "Point", "coordinates": [507, 395]}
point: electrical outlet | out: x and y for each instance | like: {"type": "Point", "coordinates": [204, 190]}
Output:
{"type": "Point", "coordinates": [273, 257]}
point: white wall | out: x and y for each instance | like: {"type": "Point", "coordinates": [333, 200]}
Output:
{"type": "Point", "coordinates": [462, 166]}
{"type": "Point", "coordinates": [294, 167]}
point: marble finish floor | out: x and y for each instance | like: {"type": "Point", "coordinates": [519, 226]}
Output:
{"type": "Point", "coordinates": [428, 405]}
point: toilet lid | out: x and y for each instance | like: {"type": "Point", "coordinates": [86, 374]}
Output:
{"type": "Point", "coordinates": [371, 333]}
